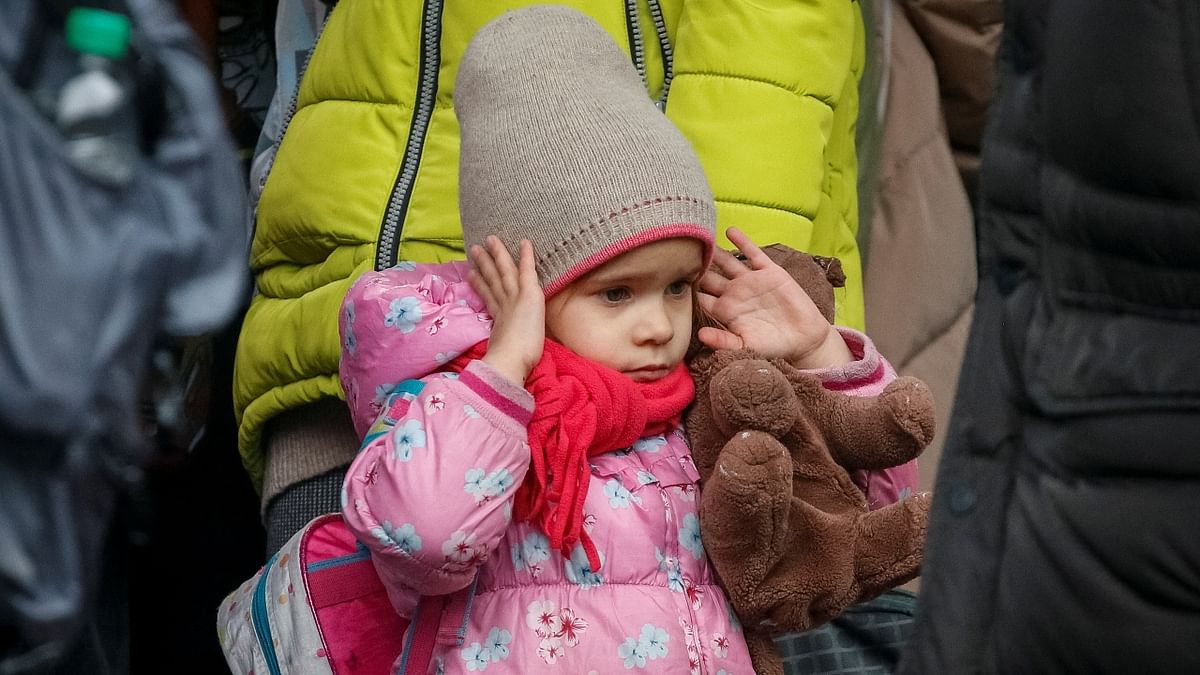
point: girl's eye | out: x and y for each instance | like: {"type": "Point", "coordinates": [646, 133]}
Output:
{"type": "Point", "coordinates": [615, 294]}
{"type": "Point", "coordinates": [678, 288]}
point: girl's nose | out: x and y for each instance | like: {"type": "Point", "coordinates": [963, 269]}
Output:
{"type": "Point", "coordinates": [654, 326]}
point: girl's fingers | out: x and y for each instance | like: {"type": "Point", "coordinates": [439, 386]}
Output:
{"type": "Point", "coordinates": [505, 267]}
{"type": "Point", "coordinates": [484, 265]}
{"type": "Point", "coordinates": [483, 289]}
{"type": "Point", "coordinates": [715, 338]}
{"type": "Point", "coordinates": [526, 268]}
{"type": "Point", "coordinates": [754, 255]}
{"type": "Point", "coordinates": [727, 264]}
{"type": "Point", "coordinates": [708, 304]}
{"type": "Point", "coordinates": [713, 283]}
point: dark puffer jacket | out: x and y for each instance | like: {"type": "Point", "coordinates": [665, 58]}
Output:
{"type": "Point", "coordinates": [1065, 535]}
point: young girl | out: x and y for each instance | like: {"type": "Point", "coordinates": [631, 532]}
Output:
{"type": "Point", "coordinates": [523, 451]}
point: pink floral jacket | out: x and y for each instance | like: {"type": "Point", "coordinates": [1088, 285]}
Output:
{"type": "Point", "coordinates": [430, 495]}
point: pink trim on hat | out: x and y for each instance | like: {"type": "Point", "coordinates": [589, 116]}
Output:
{"type": "Point", "coordinates": [676, 231]}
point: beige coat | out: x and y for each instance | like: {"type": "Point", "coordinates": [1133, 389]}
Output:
{"type": "Point", "coordinates": [934, 59]}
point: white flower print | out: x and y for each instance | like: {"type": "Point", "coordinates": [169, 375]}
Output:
{"type": "Point", "coordinates": [579, 570]}
{"type": "Point", "coordinates": [619, 496]}
{"type": "Point", "coordinates": [403, 538]}
{"type": "Point", "coordinates": [460, 549]}
{"type": "Point", "coordinates": [508, 512]}
{"type": "Point", "coordinates": [550, 650]}
{"type": "Point", "coordinates": [572, 626]}
{"type": "Point", "coordinates": [695, 657]}
{"type": "Point", "coordinates": [444, 357]}
{"type": "Point", "coordinates": [675, 579]}
{"type": "Point", "coordinates": [651, 644]}
{"type": "Point", "coordinates": [645, 477]}
{"type": "Point", "coordinates": [535, 549]}
{"type": "Point", "coordinates": [474, 483]}
{"type": "Point", "coordinates": [407, 437]}
{"type": "Point", "coordinates": [653, 641]}
{"type": "Point", "coordinates": [695, 594]}
{"type": "Point", "coordinates": [651, 444]}
{"type": "Point", "coordinates": [448, 376]}
{"type": "Point", "coordinates": [497, 643]}
{"type": "Point", "coordinates": [720, 645]}
{"type": "Point", "coordinates": [436, 325]}
{"type": "Point", "coordinates": [477, 656]}
{"type": "Point", "coordinates": [405, 265]}
{"type": "Point", "coordinates": [589, 522]}
{"type": "Point", "coordinates": [631, 653]}
{"type": "Point", "coordinates": [543, 617]}
{"type": "Point", "coordinates": [496, 483]}
{"type": "Point", "coordinates": [469, 411]}
{"type": "Point", "coordinates": [689, 535]}
{"type": "Point", "coordinates": [403, 314]}
{"type": "Point", "coordinates": [435, 403]}
{"type": "Point", "coordinates": [687, 493]}
{"type": "Point", "coordinates": [485, 486]}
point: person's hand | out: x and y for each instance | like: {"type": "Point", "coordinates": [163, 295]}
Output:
{"type": "Point", "coordinates": [765, 310]}
{"type": "Point", "coordinates": [515, 300]}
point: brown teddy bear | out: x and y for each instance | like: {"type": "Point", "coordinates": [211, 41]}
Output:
{"type": "Point", "coordinates": [789, 534]}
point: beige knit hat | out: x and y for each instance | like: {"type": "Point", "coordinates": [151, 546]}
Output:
{"type": "Point", "coordinates": [562, 145]}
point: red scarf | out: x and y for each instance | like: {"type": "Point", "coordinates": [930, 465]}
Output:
{"type": "Point", "coordinates": [582, 409]}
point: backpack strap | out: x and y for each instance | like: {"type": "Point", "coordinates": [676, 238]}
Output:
{"type": "Point", "coordinates": [438, 620]}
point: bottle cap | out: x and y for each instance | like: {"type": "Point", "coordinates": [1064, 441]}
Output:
{"type": "Point", "coordinates": [97, 31]}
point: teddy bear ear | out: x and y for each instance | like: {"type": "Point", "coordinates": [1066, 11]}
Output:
{"type": "Point", "coordinates": [833, 270]}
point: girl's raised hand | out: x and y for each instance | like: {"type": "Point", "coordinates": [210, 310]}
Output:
{"type": "Point", "coordinates": [515, 300]}
{"type": "Point", "coordinates": [765, 310]}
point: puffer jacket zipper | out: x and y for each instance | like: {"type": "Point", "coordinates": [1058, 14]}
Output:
{"type": "Point", "coordinates": [637, 48]}
{"type": "Point", "coordinates": [388, 244]}
{"type": "Point", "coordinates": [664, 44]}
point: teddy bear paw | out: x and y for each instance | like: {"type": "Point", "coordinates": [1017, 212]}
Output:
{"type": "Point", "coordinates": [754, 462]}
{"type": "Point", "coordinates": [752, 394]}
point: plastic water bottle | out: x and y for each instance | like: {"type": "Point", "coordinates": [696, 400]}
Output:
{"type": "Point", "coordinates": [95, 107]}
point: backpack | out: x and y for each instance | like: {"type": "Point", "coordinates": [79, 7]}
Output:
{"type": "Point", "coordinates": [318, 608]}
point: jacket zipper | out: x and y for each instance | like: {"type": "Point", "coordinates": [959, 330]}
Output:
{"type": "Point", "coordinates": [388, 243]}
{"type": "Point", "coordinates": [637, 48]}
{"type": "Point", "coordinates": [262, 623]}
{"type": "Point", "coordinates": [668, 56]}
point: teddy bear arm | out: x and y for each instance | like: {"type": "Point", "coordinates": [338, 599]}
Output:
{"type": "Point", "coordinates": [873, 432]}
{"type": "Point", "coordinates": [889, 544]}
{"type": "Point", "coordinates": [744, 513]}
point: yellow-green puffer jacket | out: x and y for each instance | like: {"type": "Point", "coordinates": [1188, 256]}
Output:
{"type": "Point", "coordinates": [367, 171]}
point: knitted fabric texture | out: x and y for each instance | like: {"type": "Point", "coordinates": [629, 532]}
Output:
{"type": "Point", "coordinates": [582, 409]}
{"type": "Point", "coordinates": [562, 145]}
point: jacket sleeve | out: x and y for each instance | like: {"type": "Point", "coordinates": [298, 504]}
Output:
{"type": "Point", "coordinates": [403, 323]}
{"type": "Point", "coordinates": [868, 375]}
{"type": "Point", "coordinates": [430, 493]}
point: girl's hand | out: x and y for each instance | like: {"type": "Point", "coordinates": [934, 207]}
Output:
{"type": "Point", "coordinates": [515, 300]}
{"type": "Point", "coordinates": [765, 310]}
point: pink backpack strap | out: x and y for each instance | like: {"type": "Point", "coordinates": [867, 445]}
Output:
{"type": "Point", "coordinates": [438, 620]}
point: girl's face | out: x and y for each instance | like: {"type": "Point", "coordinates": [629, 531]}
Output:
{"type": "Point", "coordinates": [633, 313]}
